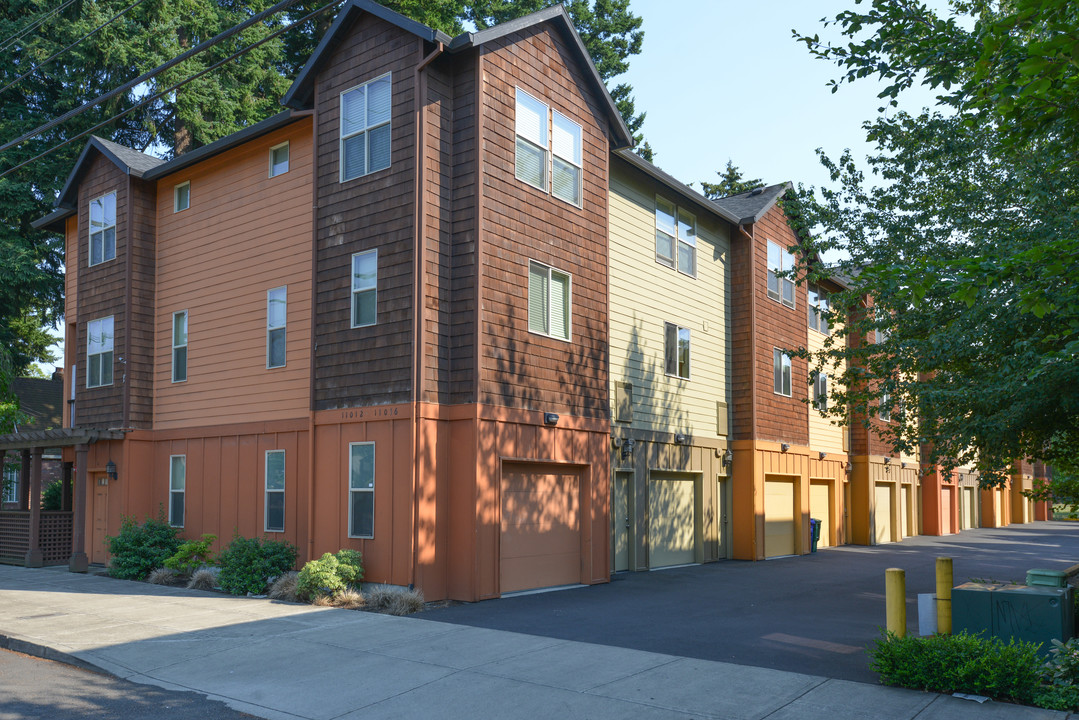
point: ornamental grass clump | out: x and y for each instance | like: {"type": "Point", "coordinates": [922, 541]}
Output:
{"type": "Point", "coordinates": [394, 601]}
{"type": "Point", "coordinates": [284, 587]}
{"type": "Point", "coordinates": [205, 578]}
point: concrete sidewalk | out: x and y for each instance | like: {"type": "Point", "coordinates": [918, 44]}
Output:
{"type": "Point", "coordinates": [280, 660]}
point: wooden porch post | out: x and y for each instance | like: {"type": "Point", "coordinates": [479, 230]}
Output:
{"type": "Point", "coordinates": [65, 493]}
{"type": "Point", "coordinates": [78, 561]}
{"type": "Point", "coordinates": [34, 557]}
{"type": "Point", "coordinates": [24, 482]}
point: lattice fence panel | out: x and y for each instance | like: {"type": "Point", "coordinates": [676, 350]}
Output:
{"type": "Point", "coordinates": [56, 536]}
{"type": "Point", "coordinates": [14, 534]}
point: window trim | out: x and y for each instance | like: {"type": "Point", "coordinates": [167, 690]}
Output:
{"type": "Point", "coordinates": [101, 231]}
{"type": "Point", "coordinates": [176, 196]}
{"type": "Point", "coordinates": [266, 492]}
{"type": "Point", "coordinates": [175, 347]}
{"type": "Point", "coordinates": [568, 303]}
{"type": "Point", "coordinates": [570, 161]}
{"type": "Point", "coordinates": [288, 159]}
{"type": "Point", "coordinates": [341, 137]}
{"type": "Point", "coordinates": [182, 491]}
{"type": "Point", "coordinates": [110, 352]}
{"type": "Point", "coordinates": [677, 361]}
{"type": "Point", "coordinates": [545, 149]}
{"type": "Point", "coordinates": [271, 328]}
{"type": "Point", "coordinates": [676, 239]}
{"type": "Point", "coordinates": [778, 357]}
{"type": "Point", "coordinates": [351, 490]}
{"type": "Point", "coordinates": [354, 290]}
{"type": "Point", "coordinates": [778, 294]}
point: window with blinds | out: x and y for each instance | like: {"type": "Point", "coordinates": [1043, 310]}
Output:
{"type": "Point", "coordinates": [531, 156]}
{"type": "Point", "coordinates": [676, 350]}
{"type": "Point", "coordinates": [365, 128]}
{"type": "Point", "coordinates": [548, 141]}
{"type": "Point", "coordinates": [676, 237]}
{"type": "Point", "coordinates": [548, 301]}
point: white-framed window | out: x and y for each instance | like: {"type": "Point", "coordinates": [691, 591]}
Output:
{"type": "Point", "coordinates": [779, 260]}
{"type": "Point", "coordinates": [365, 288]}
{"type": "Point", "coordinates": [11, 483]}
{"type": "Point", "coordinates": [181, 196]}
{"type": "Point", "coordinates": [820, 391]}
{"type": "Point", "coordinates": [549, 301]}
{"type": "Point", "coordinates": [179, 346]}
{"type": "Point", "coordinates": [279, 159]}
{"type": "Point", "coordinates": [676, 350]}
{"type": "Point", "coordinates": [818, 308]}
{"type": "Point", "coordinates": [882, 335]}
{"type": "Point", "coordinates": [361, 490]}
{"type": "Point", "coordinates": [530, 164]}
{"type": "Point", "coordinates": [275, 491]}
{"type": "Point", "coordinates": [566, 160]}
{"type": "Point", "coordinates": [548, 144]}
{"type": "Point", "coordinates": [781, 372]}
{"type": "Point", "coordinates": [884, 407]}
{"type": "Point", "coordinates": [177, 489]}
{"type": "Point", "coordinates": [676, 237]}
{"type": "Point", "coordinates": [103, 229]}
{"type": "Point", "coordinates": [99, 335]}
{"type": "Point", "coordinates": [276, 314]}
{"type": "Point", "coordinates": [365, 128]}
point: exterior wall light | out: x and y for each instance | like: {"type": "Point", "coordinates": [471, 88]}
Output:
{"type": "Point", "coordinates": [822, 454]}
{"type": "Point", "coordinates": [784, 446]}
{"type": "Point", "coordinates": [110, 471]}
{"type": "Point", "coordinates": [550, 418]}
{"type": "Point", "coordinates": [680, 439]}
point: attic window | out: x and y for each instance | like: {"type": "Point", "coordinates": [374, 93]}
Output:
{"type": "Point", "coordinates": [780, 288]}
{"type": "Point", "coordinates": [182, 196]}
{"type": "Point", "coordinates": [103, 229]}
{"type": "Point", "coordinates": [365, 128]}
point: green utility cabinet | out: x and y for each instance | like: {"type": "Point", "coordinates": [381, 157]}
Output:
{"type": "Point", "coordinates": [1032, 613]}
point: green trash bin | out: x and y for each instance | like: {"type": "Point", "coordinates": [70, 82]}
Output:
{"type": "Point", "coordinates": [814, 534]}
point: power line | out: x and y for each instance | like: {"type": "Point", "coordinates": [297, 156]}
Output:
{"type": "Point", "coordinates": [178, 85]}
{"type": "Point", "coordinates": [284, 4]}
{"type": "Point", "coordinates": [31, 26]}
{"type": "Point", "coordinates": [58, 53]}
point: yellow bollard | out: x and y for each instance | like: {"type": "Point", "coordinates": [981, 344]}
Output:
{"type": "Point", "coordinates": [944, 595]}
{"type": "Point", "coordinates": [895, 599]}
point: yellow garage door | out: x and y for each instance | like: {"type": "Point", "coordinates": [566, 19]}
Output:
{"type": "Point", "coordinates": [884, 512]}
{"type": "Point", "coordinates": [972, 507]}
{"type": "Point", "coordinates": [820, 508]}
{"type": "Point", "coordinates": [946, 511]}
{"type": "Point", "coordinates": [779, 524]}
{"type": "Point", "coordinates": [671, 527]}
{"type": "Point", "coordinates": [541, 539]}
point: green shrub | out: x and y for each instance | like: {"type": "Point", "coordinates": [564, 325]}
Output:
{"type": "Point", "coordinates": [192, 555]}
{"type": "Point", "coordinates": [139, 549]}
{"type": "Point", "coordinates": [329, 575]}
{"type": "Point", "coordinates": [959, 663]}
{"type": "Point", "coordinates": [247, 564]}
{"type": "Point", "coordinates": [1058, 697]}
{"type": "Point", "coordinates": [52, 496]}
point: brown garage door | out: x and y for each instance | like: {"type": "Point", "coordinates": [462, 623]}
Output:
{"type": "Point", "coordinates": [541, 537]}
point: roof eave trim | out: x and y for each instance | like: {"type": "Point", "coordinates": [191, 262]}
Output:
{"type": "Point", "coordinates": [678, 186]}
{"type": "Point", "coordinates": [54, 220]}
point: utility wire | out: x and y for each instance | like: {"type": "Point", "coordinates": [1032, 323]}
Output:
{"type": "Point", "coordinates": [284, 4]}
{"type": "Point", "coordinates": [31, 26]}
{"type": "Point", "coordinates": [57, 54]}
{"type": "Point", "coordinates": [180, 84]}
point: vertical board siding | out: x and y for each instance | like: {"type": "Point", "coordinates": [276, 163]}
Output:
{"type": "Point", "coordinates": [368, 365]}
{"type": "Point", "coordinates": [519, 222]}
{"type": "Point", "coordinates": [645, 295]}
{"type": "Point", "coordinates": [102, 291]}
{"type": "Point", "coordinates": [244, 234]}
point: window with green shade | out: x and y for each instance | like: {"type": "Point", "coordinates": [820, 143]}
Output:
{"type": "Point", "coordinates": [549, 311]}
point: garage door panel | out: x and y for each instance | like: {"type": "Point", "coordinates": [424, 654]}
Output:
{"type": "Point", "coordinates": [883, 514]}
{"type": "Point", "coordinates": [540, 571]}
{"type": "Point", "coordinates": [779, 523]}
{"type": "Point", "coordinates": [540, 543]}
{"type": "Point", "coordinates": [671, 527]}
{"type": "Point", "coordinates": [532, 540]}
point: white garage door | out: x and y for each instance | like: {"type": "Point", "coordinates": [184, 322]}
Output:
{"type": "Point", "coordinates": [883, 514]}
{"type": "Point", "coordinates": [779, 527]}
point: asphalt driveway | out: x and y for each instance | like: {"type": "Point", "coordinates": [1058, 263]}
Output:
{"type": "Point", "coordinates": [812, 614]}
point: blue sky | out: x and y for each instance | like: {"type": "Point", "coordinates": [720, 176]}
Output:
{"type": "Point", "coordinates": [721, 79]}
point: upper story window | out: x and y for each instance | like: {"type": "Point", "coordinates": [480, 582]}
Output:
{"type": "Point", "coordinates": [818, 308]}
{"type": "Point", "coordinates": [676, 350]}
{"type": "Point", "coordinates": [99, 352]}
{"type": "Point", "coordinates": [276, 312]}
{"type": "Point", "coordinates": [820, 391]}
{"type": "Point", "coordinates": [103, 229]}
{"type": "Point", "coordinates": [884, 408]}
{"type": "Point", "coordinates": [779, 260]}
{"type": "Point", "coordinates": [365, 128]}
{"type": "Point", "coordinates": [781, 372]}
{"type": "Point", "coordinates": [548, 301]}
{"type": "Point", "coordinates": [364, 288]}
{"type": "Point", "coordinates": [179, 346]}
{"type": "Point", "coordinates": [279, 159]}
{"type": "Point", "coordinates": [548, 142]}
{"type": "Point", "coordinates": [676, 237]}
{"type": "Point", "coordinates": [181, 196]}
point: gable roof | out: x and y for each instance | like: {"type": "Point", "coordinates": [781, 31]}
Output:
{"type": "Point", "coordinates": [42, 401]}
{"type": "Point", "coordinates": [669, 181]}
{"type": "Point", "coordinates": [300, 94]}
{"type": "Point", "coordinates": [749, 207]}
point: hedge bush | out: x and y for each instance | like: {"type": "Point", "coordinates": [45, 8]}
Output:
{"type": "Point", "coordinates": [329, 575]}
{"type": "Point", "coordinates": [139, 549]}
{"type": "Point", "coordinates": [52, 496]}
{"type": "Point", "coordinates": [248, 564]}
{"type": "Point", "coordinates": [960, 663]}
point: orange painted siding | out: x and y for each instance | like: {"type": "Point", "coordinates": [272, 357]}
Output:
{"type": "Point", "coordinates": [244, 234]}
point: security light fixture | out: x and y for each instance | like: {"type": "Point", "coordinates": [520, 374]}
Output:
{"type": "Point", "coordinates": [680, 439]}
{"type": "Point", "coordinates": [887, 460]}
{"type": "Point", "coordinates": [728, 458]}
{"type": "Point", "coordinates": [110, 471]}
{"type": "Point", "coordinates": [848, 467]}
{"type": "Point", "coordinates": [822, 454]}
{"type": "Point", "coordinates": [627, 447]}
{"type": "Point", "coordinates": [784, 446]}
{"type": "Point", "coordinates": [550, 418]}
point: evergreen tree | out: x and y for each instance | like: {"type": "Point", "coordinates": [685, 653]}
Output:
{"type": "Point", "coordinates": [730, 182]}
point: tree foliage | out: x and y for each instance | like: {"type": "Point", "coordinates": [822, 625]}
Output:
{"type": "Point", "coordinates": [731, 182]}
{"type": "Point", "coordinates": [965, 236]}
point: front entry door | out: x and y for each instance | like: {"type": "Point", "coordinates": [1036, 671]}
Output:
{"type": "Point", "coordinates": [101, 518]}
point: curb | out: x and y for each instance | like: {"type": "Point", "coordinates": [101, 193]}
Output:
{"type": "Point", "coordinates": [26, 647]}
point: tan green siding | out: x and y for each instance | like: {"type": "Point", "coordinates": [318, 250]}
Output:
{"type": "Point", "coordinates": [823, 435]}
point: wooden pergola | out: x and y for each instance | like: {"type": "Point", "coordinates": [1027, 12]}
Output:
{"type": "Point", "coordinates": [46, 538]}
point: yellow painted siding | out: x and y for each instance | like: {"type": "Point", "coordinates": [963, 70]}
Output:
{"type": "Point", "coordinates": [823, 435]}
{"type": "Point", "coordinates": [644, 295]}
{"type": "Point", "coordinates": [244, 234]}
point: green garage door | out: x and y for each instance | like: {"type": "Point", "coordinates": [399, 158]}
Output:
{"type": "Point", "coordinates": [671, 526]}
